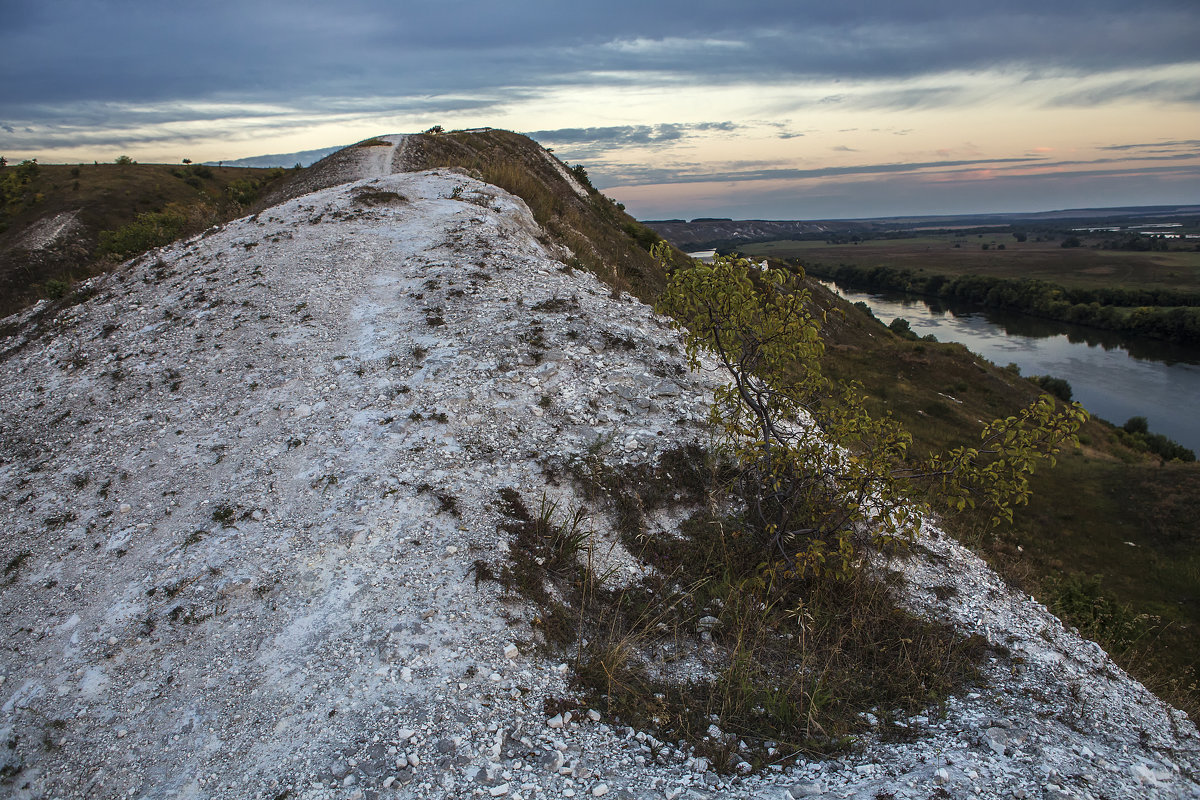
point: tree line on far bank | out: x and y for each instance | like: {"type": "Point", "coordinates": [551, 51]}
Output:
{"type": "Point", "coordinates": [1167, 314]}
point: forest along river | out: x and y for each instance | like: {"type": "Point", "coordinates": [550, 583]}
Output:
{"type": "Point", "coordinates": [1113, 376]}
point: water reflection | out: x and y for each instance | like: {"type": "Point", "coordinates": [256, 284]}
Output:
{"type": "Point", "coordinates": [1112, 376]}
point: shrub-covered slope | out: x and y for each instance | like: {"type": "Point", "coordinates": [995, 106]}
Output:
{"type": "Point", "coordinates": [60, 223]}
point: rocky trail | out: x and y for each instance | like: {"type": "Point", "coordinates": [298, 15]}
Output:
{"type": "Point", "coordinates": [243, 486]}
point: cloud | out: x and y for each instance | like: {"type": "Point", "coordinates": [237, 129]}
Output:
{"type": "Point", "coordinates": [1029, 166]}
{"type": "Point", "coordinates": [913, 193]}
{"type": "Point", "coordinates": [258, 49]}
{"type": "Point", "coordinates": [1165, 146]}
{"type": "Point", "coordinates": [634, 175]}
{"type": "Point", "coordinates": [238, 77]}
{"type": "Point", "coordinates": [1182, 90]}
{"type": "Point", "coordinates": [664, 133]}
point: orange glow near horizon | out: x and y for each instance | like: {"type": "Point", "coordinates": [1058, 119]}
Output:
{"type": "Point", "coordinates": [777, 140]}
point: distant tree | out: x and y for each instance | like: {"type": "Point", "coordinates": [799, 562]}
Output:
{"type": "Point", "coordinates": [124, 161]}
{"type": "Point", "coordinates": [27, 170]}
{"type": "Point", "coordinates": [3, 162]}
{"type": "Point", "coordinates": [1071, 241]}
{"type": "Point", "coordinates": [435, 130]}
{"type": "Point", "coordinates": [866, 309]}
{"type": "Point", "coordinates": [1020, 236]}
{"type": "Point", "coordinates": [1136, 425]}
{"type": "Point", "coordinates": [901, 328]}
{"type": "Point", "coordinates": [187, 161]}
{"type": "Point", "coordinates": [1058, 387]}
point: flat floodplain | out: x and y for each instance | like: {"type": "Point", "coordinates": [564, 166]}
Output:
{"type": "Point", "coordinates": [1073, 267]}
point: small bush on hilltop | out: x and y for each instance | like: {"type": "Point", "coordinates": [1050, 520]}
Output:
{"type": "Point", "coordinates": [14, 186]}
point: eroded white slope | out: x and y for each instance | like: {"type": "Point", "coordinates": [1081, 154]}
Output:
{"type": "Point", "coordinates": [241, 489]}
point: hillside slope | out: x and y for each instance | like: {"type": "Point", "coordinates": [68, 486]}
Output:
{"type": "Point", "coordinates": [245, 480]}
{"type": "Point", "coordinates": [54, 217]}
{"type": "Point", "coordinates": [598, 234]}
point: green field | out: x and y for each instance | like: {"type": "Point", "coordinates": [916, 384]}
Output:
{"type": "Point", "coordinates": [1075, 267]}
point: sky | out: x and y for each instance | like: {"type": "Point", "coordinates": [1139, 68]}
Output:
{"type": "Point", "coordinates": [770, 110]}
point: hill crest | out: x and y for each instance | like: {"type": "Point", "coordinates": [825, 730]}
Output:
{"type": "Point", "coordinates": [247, 478]}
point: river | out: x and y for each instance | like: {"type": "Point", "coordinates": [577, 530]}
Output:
{"type": "Point", "coordinates": [1113, 376]}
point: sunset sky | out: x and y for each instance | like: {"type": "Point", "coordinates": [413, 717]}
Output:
{"type": "Point", "coordinates": [753, 109]}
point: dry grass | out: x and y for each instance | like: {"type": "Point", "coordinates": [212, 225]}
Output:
{"type": "Point", "coordinates": [716, 633]}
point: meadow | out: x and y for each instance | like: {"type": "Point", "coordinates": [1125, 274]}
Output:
{"type": "Point", "coordinates": [959, 253]}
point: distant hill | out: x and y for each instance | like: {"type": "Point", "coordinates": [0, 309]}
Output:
{"type": "Point", "coordinates": [705, 232]}
{"type": "Point", "coordinates": [304, 158]}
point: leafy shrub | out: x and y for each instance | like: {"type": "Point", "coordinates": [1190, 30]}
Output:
{"type": "Point", "coordinates": [13, 185]}
{"type": "Point", "coordinates": [866, 309]}
{"type": "Point", "coordinates": [644, 236]}
{"type": "Point", "coordinates": [581, 175]}
{"type": "Point", "coordinates": [824, 480]}
{"type": "Point", "coordinates": [1078, 600]}
{"type": "Point", "coordinates": [1136, 433]}
{"type": "Point", "coordinates": [243, 192]}
{"type": "Point", "coordinates": [149, 230]}
{"type": "Point", "coordinates": [56, 288]}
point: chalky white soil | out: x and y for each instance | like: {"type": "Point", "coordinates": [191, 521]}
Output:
{"type": "Point", "coordinates": [232, 570]}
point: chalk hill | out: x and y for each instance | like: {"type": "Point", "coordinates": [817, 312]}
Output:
{"type": "Point", "coordinates": [244, 480]}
